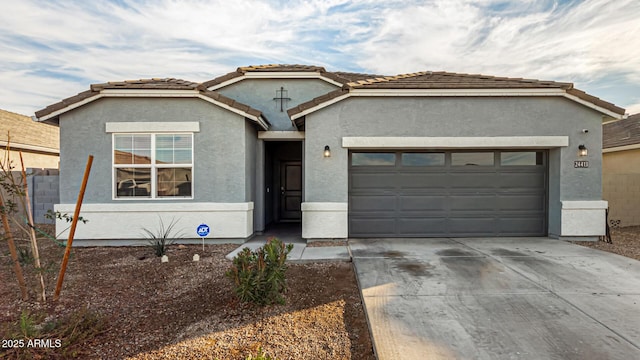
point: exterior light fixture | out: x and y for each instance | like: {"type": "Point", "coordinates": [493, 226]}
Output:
{"type": "Point", "coordinates": [327, 151]}
{"type": "Point", "coordinates": [582, 150]}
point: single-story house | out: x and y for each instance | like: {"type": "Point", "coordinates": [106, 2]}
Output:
{"type": "Point", "coordinates": [427, 154]}
{"type": "Point", "coordinates": [38, 142]}
{"type": "Point", "coordinates": [621, 170]}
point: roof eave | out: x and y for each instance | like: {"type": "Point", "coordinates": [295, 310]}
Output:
{"type": "Point", "coordinates": [610, 111]}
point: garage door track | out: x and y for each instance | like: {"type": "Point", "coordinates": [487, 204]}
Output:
{"type": "Point", "coordinates": [498, 298]}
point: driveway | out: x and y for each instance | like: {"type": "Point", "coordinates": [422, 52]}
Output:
{"type": "Point", "coordinates": [498, 298]}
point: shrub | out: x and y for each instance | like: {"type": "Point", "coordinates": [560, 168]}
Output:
{"type": "Point", "coordinates": [164, 236]}
{"type": "Point", "coordinates": [259, 276]}
{"type": "Point", "coordinates": [70, 335]}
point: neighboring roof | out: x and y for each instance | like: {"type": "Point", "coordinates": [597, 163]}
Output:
{"type": "Point", "coordinates": [339, 78]}
{"type": "Point", "coordinates": [621, 133]}
{"type": "Point", "coordinates": [446, 81]}
{"type": "Point", "coordinates": [96, 92]}
{"type": "Point", "coordinates": [27, 134]}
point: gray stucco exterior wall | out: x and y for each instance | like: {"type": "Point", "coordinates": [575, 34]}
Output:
{"type": "Point", "coordinates": [260, 94]}
{"type": "Point", "coordinates": [251, 137]}
{"type": "Point", "coordinates": [326, 179]}
{"type": "Point", "coordinates": [220, 162]}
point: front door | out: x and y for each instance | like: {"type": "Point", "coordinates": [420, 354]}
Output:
{"type": "Point", "coordinates": [290, 190]}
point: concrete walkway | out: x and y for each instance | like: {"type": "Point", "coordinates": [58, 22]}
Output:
{"type": "Point", "coordinates": [300, 251]}
{"type": "Point", "coordinates": [520, 298]}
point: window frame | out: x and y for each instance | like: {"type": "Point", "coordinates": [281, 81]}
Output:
{"type": "Point", "coordinates": [153, 166]}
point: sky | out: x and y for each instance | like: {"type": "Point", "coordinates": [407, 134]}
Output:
{"type": "Point", "coordinates": [50, 50]}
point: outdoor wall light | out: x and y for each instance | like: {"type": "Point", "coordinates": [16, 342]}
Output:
{"type": "Point", "coordinates": [582, 150]}
{"type": "Point", "coordinates": [327, 151]}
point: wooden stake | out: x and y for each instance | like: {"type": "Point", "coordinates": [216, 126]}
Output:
{"type": "Point", "coordinates": [12, 250]}
{"type": "Point", "coordinates": [72, 231]}
{"type": "Point", "coordinates": [32, 232]}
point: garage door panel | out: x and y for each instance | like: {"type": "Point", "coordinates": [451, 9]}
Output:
{"type": "Point", "coordinates": [522, 180]}
{"type": "Point", "coordinates": [423, 226]}
{"type": "Point", "coordinates": [372, 226]}
{"type": "Point", "coordinates": [472, 202]}
{"type": "Point", "coordinates": [521, 202]}
{"type": "Point", "coordinates": [368, 203]}
{"type": "Point", "coordinates": [475, 180]}
{"type": "Point", "coordinates": [521, 226]}
{"type": "Point", "coordinates": [415, 199]}
{"type": "Point", "coordinates": [422, 202]}
{"type": "Point", "coordinates": [466, 225]}
{"type": "Point", "coordinates": [422, 180]}
{"type": "Point", "coordinates": [373, 181]}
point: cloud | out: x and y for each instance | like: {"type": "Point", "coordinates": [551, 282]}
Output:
{"type": "Point", "coordinates": [54, 49]}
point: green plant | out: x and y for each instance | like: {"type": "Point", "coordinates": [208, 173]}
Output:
{"type": "Point", "coordinates": [164, 236]}
{"type": "Point", "coordinates": [24, 256]}
{"type": "Point", "coordinates": [68, 335]}
{"type": "Point", "coordinates": [261, 355]}
{"type": "Point", "coordinates": [27, 325]}
{"type": "Point", "coordinates": [259, 276]}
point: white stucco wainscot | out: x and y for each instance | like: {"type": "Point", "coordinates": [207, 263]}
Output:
{"type": "Point", "coordinates": [324, 220]}
{"type": "Point", "coordinates": [126, 221]}
{"type": "Point", "coordinates": [583, 218]}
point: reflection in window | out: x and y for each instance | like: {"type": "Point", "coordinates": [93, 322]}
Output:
{"type": "Point", "coordinates": [472, 159]}
{"type": "Point", "coordinates": [133, 182]}
{"type": "Point", "coordinates": [173, 149]}
{"type": "Point", "coordinates": [174, 182]}
{"type": "Point", "coordinates": [132, 149]}
{"type": "Point", "coordinates": [373, 159]}
{"type": "Point", "coordinates": [528, 158]}
{"type": "Point", "coordinates": [153, 165]}
{"type": "Point", "coordinates": [423, 159]}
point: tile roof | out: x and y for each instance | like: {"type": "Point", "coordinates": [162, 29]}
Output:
{"type": "Point", "coordinates": [621, 132]}
{"type": "Point", "coordinates": [349, 81]}
{"type": "Point", "coordinates": [446, 80]}
{"type": "Point", "coordinates": [154, 83]}
{"type": "Point", "coordinates": [339, 77]}
{"type": "Point", "coordinates": [146, 84]}
{"type": "Point", "coordinates": [24, 131]}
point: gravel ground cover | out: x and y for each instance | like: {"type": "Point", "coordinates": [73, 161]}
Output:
{"type": "Point", "coordinates": [185, 309]}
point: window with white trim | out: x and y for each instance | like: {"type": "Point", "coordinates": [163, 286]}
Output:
{"type": "Point", "coordinates": [153, 166]}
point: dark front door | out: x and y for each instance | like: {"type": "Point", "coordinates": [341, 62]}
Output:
{"type": "Point", "coordinates": [290, 190]}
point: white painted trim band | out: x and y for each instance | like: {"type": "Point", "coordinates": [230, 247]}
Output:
{"type": "Point", "coordinates": [152, 127]}
{"type": "Point", "coordinates": [456, 92]}
{"type": "Point", "coordinates": [18, 146]}
{"type": "Point", "coordinates": [462, 93]}
{"type": "Point", "coordinates": [274, 75]}
{"type": "Point", "coordinates": [281, 135]}
{"type": "Point", "coordinates": [497, 142]}
{"type": "Point", "coordinates": [584, 204]}
{"type": "Point", "coordinates": [621, 148]}
{"type": "Point", "coordinates": [319, 106]}
{"type": "Point", "coordinates": [161, 207]}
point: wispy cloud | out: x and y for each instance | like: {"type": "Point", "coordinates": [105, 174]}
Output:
{"type": "Point", "coordinates": [53, 49]}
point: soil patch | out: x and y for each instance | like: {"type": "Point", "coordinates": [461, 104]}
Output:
{"type": "Point", "coordinates": [186, 309]}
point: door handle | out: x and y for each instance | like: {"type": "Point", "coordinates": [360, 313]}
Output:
{"type": "Point", "coordinates": [282, 190]}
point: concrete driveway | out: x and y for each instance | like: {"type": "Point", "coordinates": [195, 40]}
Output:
{"type": "Point", "coordinates": [498, 298]}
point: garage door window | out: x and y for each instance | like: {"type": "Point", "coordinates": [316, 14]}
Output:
{"type": "Point", "coordinates": [530, 158]}
{"type": "Point", "coordinates": [472, 159]}
{"type": "Point", "coordinates": [373, 159]}
{"type": "Point", "coordinates": [422, 159]}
